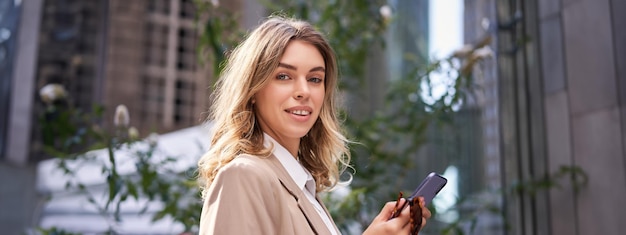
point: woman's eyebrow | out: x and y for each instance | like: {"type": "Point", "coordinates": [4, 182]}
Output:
{"type": "Point", "coordinates": [287, 66]}
{"type": "Point", "coordinates": [319, 68]}
{"type": "Point", "coordinates": [291, 67]}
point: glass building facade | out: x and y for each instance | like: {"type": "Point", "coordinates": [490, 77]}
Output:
{"type": "Point", "coordinates": [9, 15]}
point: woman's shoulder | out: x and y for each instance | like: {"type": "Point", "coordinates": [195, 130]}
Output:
{"type": "Point", "coordinates": [248, 161]}
{"type": "Point", "coordinates": [247, 166]}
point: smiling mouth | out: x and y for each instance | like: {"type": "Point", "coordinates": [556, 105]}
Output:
{"type": "Point", "coordinates": [300, 112]}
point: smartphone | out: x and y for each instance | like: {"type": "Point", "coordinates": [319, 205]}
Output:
{"type": "Point", "coordinates": [429, 188]}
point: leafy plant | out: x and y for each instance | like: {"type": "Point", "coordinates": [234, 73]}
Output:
{"type": "Point", "coordinates": [80, 142]}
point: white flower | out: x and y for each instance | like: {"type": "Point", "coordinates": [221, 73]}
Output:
{"type": "Point", "coordinates": [133, 133]}
{"type": "Point", "coordinates": [385, 12]}
{"type": "Point", "coordinates": [152, 139]}
{"type": "Point", "coordinates": [52, 92]}
{"type": "Point", "coordinates": [121, 119]}
{"type": "Point", "coordinates": [483, 52]}
{"type": "Point", "coordinates": [215, 3]}
{"type": "Point", "coordinates": [485, 23]}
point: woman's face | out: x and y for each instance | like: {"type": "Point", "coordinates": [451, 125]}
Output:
{"type": "Point", "coordinates": [290, 103]}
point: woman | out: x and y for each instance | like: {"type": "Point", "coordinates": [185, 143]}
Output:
{"type": "Point", "coordinates": [277, 139]}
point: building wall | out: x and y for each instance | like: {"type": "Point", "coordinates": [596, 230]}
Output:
{"type": "Point", "coordinates": [479, 20]}
{"type": "Point", "coordinates": [10, 13]}
{"type": "Point", "coordinates": [582, 58]}
{"type": "Point", "coordinates": [18, 196]}
{"type": "Point", "coordinates": [152, 67]}
{"type": "Point", "coordinates": [140, 54]}
{"type": "Point", "coordinates": [68, 41]}
{"type": "Point", "coordinates": [93, 48]}
{"type": "Point", "coordinates": [125, 37]}
{"type": "Point", "coordinates": [562, 92]}
{"type": "Point", "coordinates": [22, 85]}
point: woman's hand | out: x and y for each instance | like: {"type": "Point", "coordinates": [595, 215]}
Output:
{"type": "Point", "coordinates": [398, 225]}
{"type": "Point", "coordinates": [425, 212]}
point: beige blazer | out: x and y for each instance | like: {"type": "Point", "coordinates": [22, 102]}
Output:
{"type": "Point", "coordinates": [253, 195]}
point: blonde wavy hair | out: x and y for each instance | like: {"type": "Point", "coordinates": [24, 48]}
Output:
{"type": "Point", "coordinates": [323, 151]}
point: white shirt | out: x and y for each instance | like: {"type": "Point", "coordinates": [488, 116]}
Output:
{"type": "Point", "coordinates": [301, 176]}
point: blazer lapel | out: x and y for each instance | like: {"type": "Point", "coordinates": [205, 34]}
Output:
{"type": "Point", "coordinates": [327, 213]}
{"type": "Point", "coordinates": [317, 224]}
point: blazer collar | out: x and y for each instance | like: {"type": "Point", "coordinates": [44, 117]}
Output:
{"type": "Point", "coordinates": [317, 224]}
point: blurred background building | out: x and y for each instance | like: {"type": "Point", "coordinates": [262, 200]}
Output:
{"type": "Point", "coordinates": [140, 54]}
{"type": "Point", "coordinates": [552, 95]}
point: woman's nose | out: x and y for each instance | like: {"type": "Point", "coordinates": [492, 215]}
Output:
{"type": "Point", "coordinates": [301, 89]}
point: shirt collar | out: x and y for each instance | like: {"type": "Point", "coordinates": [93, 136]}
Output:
{"type": "Point", "coordinates": [298, 173]}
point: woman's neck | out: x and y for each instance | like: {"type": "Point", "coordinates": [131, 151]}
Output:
{"type": "Point", "coordinates": [292, 145]}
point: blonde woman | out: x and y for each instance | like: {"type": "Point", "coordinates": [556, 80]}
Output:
{"type": "Point", "coordinates": [277, 140]}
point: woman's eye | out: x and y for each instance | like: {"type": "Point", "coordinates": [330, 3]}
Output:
{"type": "Point", "coordinates": [282, 76]}
{"type": "Point", "coordinates": [315, 80]}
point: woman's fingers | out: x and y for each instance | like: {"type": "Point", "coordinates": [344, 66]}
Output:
{"type": "Point", "coordinates": [383, 225]}
{"type": "Point", "coordinates": [388, 210]}
{"type": "Point", "coordinates": [404, 220]}
{"type": "Point", "coordinates": [400, 224]}
{"type": "Point", "coordinates": [425, 212]}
